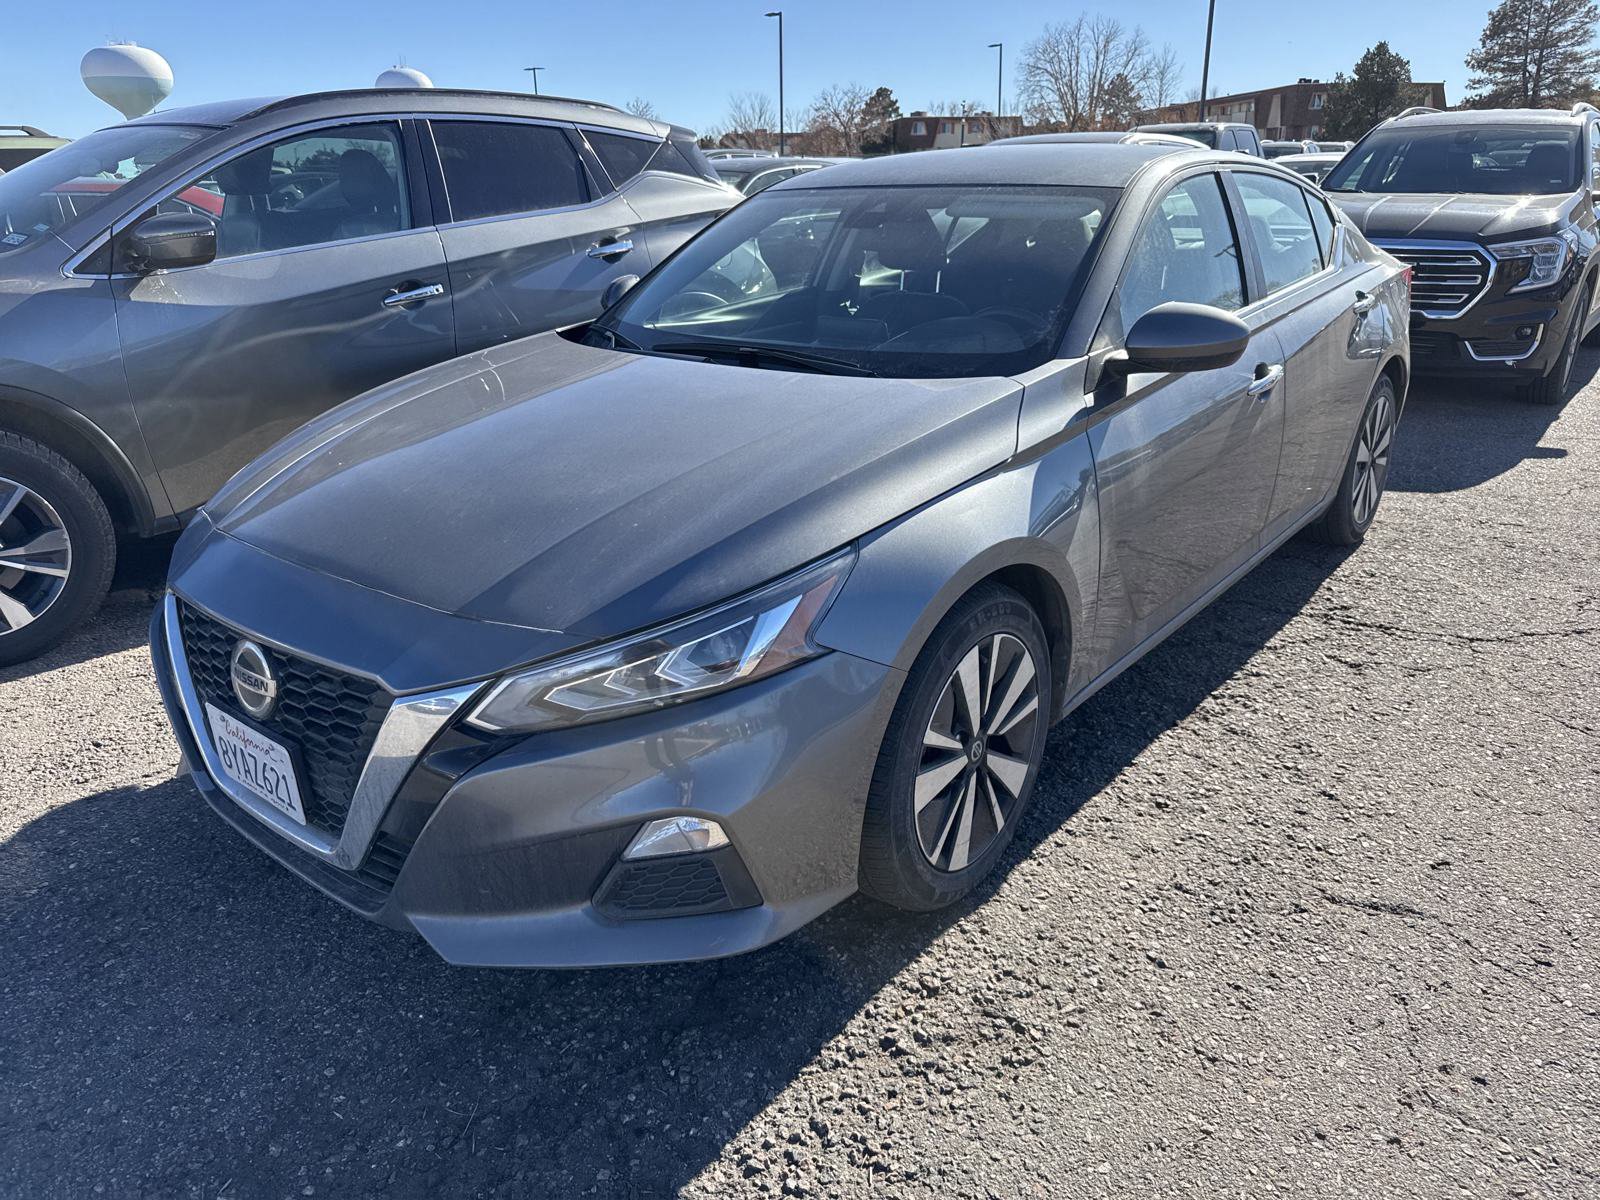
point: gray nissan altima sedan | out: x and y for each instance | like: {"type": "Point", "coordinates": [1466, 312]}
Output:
{"type": "Point", "coordinates": [655, 638]}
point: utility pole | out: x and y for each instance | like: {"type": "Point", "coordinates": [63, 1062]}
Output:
{"type": "Point", "coordinates": [1205, 66]}
{"type": "Point", "coordinates": [999, 81]}
{"type": "Point", "coordinates": [781, 146]}
{"type": "Point", "coordinates": [535, 71]}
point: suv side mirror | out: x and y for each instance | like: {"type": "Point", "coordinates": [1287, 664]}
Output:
{"type": "Point", "coordinates": [617, 289]}
{"type": "Point", "coordinates": [167, 240]}
{"type": "Point", "coordinates": [1178, 336]}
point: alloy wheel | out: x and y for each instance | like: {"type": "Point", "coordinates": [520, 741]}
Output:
{"type": "Point", "coordinates": [35, 556]}
{"type": "Point", "coordinates": [976, 752]}
{"type": "Point", "coordinates": [1372, 459]}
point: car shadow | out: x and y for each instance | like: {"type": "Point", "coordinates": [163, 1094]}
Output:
{"type": "Point", "coordinates": [123, 620]}
{"type": "Point", "coordinates": [1458, 433]}
{"type": "Point", "coordinates": [184, 1017]}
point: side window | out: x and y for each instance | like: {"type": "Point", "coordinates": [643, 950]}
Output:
{"type": "Point", "coordinates": [1321, 223]}
{"type": "Point", "coordinates": [1250, 143]}
{"type": "Point", "coordinates": [329, 185]}
{"type": "Point", "coordinates": [679, 160]}
{"type": "Point", "coordinates": [1229, 140]}
{"type": "Point", "coordinates": [622, 156]}
{"type": "Point", "coordinates": [1280, 227]}
{"type": "Point", "coordinates": [1594, 155]}
{"type": "Point", "coordinates": [493, 168]}
{"type": "Point", "coordinates": [1186, 251]}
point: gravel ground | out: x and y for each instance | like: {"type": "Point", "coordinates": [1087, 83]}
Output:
{"type": "Point", "coordinates": [1305, 905]}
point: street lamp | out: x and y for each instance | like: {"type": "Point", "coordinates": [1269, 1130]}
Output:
{"type": "Point", "coordinates": [999, 79]}
{"type": "Point", "coordinates": [535, 71]}
{"type": "Point", "coordinates": [779, 15]}
{"type": "Point", "coordinates": [1205, 66]}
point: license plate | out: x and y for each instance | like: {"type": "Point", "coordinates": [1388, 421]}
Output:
{"type": "Point", "coordinates": [256, 763]}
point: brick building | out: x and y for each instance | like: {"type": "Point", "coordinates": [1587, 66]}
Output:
{"type": "Point", "coordinates": [922, 131]}
{"type": "Point", "coordinates": [1293, 111]}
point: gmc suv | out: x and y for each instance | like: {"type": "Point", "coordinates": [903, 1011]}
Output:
{"type": "Point", "coordinates": [1494, 210]}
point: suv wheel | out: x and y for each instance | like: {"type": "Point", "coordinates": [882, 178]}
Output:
{"type": "Point", "coordinates": [1551, 387]}
{"type": "Point", "coordinates": [57, 548]}
{"type": "Point", "coordinates": [961, 754]}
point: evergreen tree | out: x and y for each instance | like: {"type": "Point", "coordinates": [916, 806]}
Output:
{"type": "Point", "coordinates": [1535, 54]}
{"type": "Point", "coordinates": [1376, 89]}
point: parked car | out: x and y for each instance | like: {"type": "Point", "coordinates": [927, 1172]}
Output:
{"type": "Point", "coordinates": [726, 152]}
{"type": "Point", "coordinates": [1218, 135]}
{"type": "Point", "coordinates": [1322, 146]}
{"type": "Point", "coordinates": [1128, 136]}
{"type": "Point", "coordinates": [657, 639]}
{"type": "Point", "coordinates": [1313, 166]}
{"type": "Point", "coordinates": [1495, 211]}
{"type": "Point", "coordinates": [1282, 149]}
{"type": "Point", "coordinates": [752, 175]}
{"type": "Point", "coordinates": [180, 291]}
{"type": "Point", "coordinates": [24, 143]}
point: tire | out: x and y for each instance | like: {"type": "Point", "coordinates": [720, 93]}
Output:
{"type": "Point", "coordinates": [48, 505]}
{"type": "Point", "coordinates": [928, 857]}
{"type": "Point", "coordinates": [1551, 387]}
{"type": "Point", "coordinates": [1366, 472]}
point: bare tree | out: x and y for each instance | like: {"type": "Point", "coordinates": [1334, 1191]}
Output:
{"type": "Point", "coordinates": [837, 121]}
{"type": "Point", "coordinates": [640, 107]}
{"type": "Point", "coordinates": [1163, 77]}
{"type": "Point", "coordinates": [752, 121]}
{"type": "Point", "coordinates": [1071, 71]}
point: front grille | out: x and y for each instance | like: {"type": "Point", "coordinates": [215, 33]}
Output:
{"type": "Point", "coordinates": [1446, 277]}
{"type": "Point", "coordinates": [1426, 343]}
{"type": "Point", "coordinates": [330, 717]}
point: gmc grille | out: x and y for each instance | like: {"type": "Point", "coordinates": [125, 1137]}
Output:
{"type": "Point", "coordinates": [1447, 278]}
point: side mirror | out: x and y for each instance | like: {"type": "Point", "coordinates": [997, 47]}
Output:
{"type": "Point", "coordinates": [617, 289]}
{"type": "Point", "coordinates": [168, 240]}
{"type": "Point", "coordinates": [1181, 337]}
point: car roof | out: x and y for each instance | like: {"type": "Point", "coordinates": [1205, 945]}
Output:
{"type": "Point", "coordinates": [1082, 164]}
{"type": "Point", "coordinates": [1493, 116]}
{"type": "Point", "coordinates": [424, 100]}
{"type": "Point", "coordinates": [752, 166]}
{"type": "Point", "coordinates": [1101, 136]}
{"type": "Point", "coordinates": [1179, 126]}
{"type": "Point", "coordinates": [1314, 156]}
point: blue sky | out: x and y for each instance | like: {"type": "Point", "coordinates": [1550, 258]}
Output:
{"type": "Point", "coordinates": [685, 56]}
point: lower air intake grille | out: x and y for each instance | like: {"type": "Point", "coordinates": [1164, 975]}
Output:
{"type": "Point", "coordinates": [332, 718]}
{"type": "Point", "coordinates": [668, 887]}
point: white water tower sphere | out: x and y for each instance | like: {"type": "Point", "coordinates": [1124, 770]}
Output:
{"type": "Point", "coordinates": [132, 79]}
{"type": "Point", "coordinates": [403, 77]}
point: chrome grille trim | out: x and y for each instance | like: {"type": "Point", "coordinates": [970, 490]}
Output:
{"type": "Point", "coordinates": [1447, 278]}
{"type": "Point", "coordinates": [410, 725]}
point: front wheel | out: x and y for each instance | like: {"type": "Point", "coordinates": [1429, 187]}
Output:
{"type": "Point", "coordinates": [961, 754]}
{"type": "Point", "coordinates": [1551, 387]}
{"type": "Point", "coordinates": [1366, 472]}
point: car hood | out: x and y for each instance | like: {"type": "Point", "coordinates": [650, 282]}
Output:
{"type": "Point", "coordinates": [1472, 217]}
{"type": "Point", "coordinates": [591, 492]}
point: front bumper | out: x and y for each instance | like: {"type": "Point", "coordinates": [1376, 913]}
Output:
{"type": "Point", "coordinates": [507, 852]}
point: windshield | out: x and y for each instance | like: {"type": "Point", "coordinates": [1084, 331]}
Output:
{"type": "Point", "coordinates": [1204, 134]}
{"type": "Point", "coordinates": [1492, 160]}
{"type": "Point", "coordinates": [911, 282]}
{"type": "Point", "coordinates": [52, 191]}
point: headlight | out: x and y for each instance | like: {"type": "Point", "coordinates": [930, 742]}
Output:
{"type": "Point", "coordinates": [1547, 258]}
{"type": "Point", "coordinates": [741, 641]}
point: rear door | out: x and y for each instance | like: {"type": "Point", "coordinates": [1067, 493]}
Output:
{"type": "Point", "coordinates": [1185, 463]}
{"type": "Point", "coordinates": [531, 237]}
{"type": "Point", "coordinates": [320, 234]}
{"type": "Point", "coordinates": [1330, 329]}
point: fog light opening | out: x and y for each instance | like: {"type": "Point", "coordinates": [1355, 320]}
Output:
{"type": "Point", "coordinates": [676, 835]}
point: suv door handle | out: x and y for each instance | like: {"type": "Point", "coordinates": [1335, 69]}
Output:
{"type": "Point", "coordinates": [402, 295]}
{"type": "Point", "coordinates": [1266, 379]}
{"type": "Point", "coordinates": [614, 248]}
{"type": "Point", "coordinates": [1365, 303]}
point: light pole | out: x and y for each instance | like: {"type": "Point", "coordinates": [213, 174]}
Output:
{"type": "Point", "coordinates": [999, 78]}
{"type": "Point", "coordinates": [1205, 65]}
{"type": "Point", "coordinates": [779, 15]}
{"type": "Point", "coordinates": [535, 71]}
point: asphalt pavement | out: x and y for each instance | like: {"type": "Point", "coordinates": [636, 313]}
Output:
{"type": "Point", "coordinates": [1305, 905]}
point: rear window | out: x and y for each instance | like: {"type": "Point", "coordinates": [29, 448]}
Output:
{"type": "Point", "coordinates": [495, 168]}
{"type": "Point", "coordinates": [681, 156]}
{"type": "Point", "coordinates": [1489, 160]}
{"type": "Point", "coordinates": [623, 157]}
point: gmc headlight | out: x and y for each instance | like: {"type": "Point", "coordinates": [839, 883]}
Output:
{"type": "Point", "coordinates": [1547, 258]}
{"type": "Point", "coordinates": [743, 640]}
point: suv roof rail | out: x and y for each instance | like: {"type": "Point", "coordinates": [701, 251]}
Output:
{"type": "Point", "coordinates": [24, 130]}
{"type": "Point", "coordinates": [346, 93]}
{"type": "Point", "coordinates": [1416, 110]}
{"type": "Point", "coordinates": [1584, 106]}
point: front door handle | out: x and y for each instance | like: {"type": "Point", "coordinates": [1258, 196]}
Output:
{"type": "Point", "coordinates": [1266, 379]}
{"type": "Point", "coordinates": [1365, 303]}
{"type": "Point", "coordinates": [613, 248]}
{"type": "Point", "coordinates": [402, 296]}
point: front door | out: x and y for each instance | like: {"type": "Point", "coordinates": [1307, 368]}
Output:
{"type": "Point", "coordinates": [529, 244]}
{"type": "Point", "coordinates": [325, 284]}
{"type": "Point", "coordinates": [1185, 463]}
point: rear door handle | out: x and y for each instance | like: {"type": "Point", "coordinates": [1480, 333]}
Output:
{"type": "Point", "coordinates": [1266, 379]}
{"type": "Point", "coordinates": [402, 296]}
{"type": "Point", "coordinates": [615, 248]}
{"type": "Point", "coordinates": [1365, 303]}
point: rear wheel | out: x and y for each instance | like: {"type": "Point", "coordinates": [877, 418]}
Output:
{"type": "Point", "coordinates": [57, 548]}
{"type": "Point", "coordinates": [1551, 387]}
{"type": "Point", "coordinates": [961, 754]}
{"type": "Point", "coordinates": [1366, 472]}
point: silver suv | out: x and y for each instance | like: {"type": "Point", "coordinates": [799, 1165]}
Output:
{"type": "Point", "coordinates": [180, 291]}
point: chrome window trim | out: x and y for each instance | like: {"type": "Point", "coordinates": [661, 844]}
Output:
{"type": "Point", "coordinates": [1457, 245]}
{"type": "Point", "coordinates": [69, 269]}
{"type": "Point", "coordinates": [410, 725]}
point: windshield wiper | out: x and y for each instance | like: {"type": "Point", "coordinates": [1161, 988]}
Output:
{"type": "Point", "coordinates": [754, 355]}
